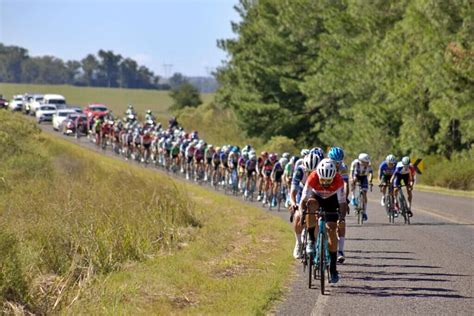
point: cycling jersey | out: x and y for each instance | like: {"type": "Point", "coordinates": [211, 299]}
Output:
{"type": "Point", "coordinates": [298, 181]}
{"type": "Point", "coordinates": [267, 167]}
{"type": "Point", "coordinates": [402, 172]}
{"type": "Point", "coordinates": [358, 169]}
{"type": "Point", "coordinates": [386, 172]}
{"type": "Point", "coordinates": [277, 171]}
{"type": "Point", "coordinates": [146, 139]}
{"type": "Point", "coordinates": [190, 151]}
{"type": "Point", "coordinates": [199, 154]}
{"type": "Point", "coordinates": [401, 169]}
{"type": "Point", "coordinates": [343, 171]}
{"type": "Point", "coordinates": [251, 165]}
{"type": "Point", "coordinates": [313, 187]}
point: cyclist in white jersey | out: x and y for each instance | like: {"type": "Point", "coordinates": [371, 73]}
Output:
{"type": "Point", "coordinates": [361, 171]}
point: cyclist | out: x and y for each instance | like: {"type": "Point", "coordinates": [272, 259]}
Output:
{"type": "Point", "coordinates": [324, 189]}
{"type": "Point", "coordinates": [190, 150]}
{"type": "Point", "coordinates": [149, 116]}
{"type": "Point", "coordinates": [198, 160]}
{"type": "Point", "coordinates": [260, 161]}
{"type": "Point", "coordinates": [361, 171]}
{"type": "Point", "coordinates": [232, 163]}
{"type": "Point", "coordinates": [287, 176]}
{"type": "Point", "coordinates": [336, 154]}
{"type": "Point", "coordinates": [251, 170]}
{"type": "Point", "coordinates": [224, 160]}
{"type": "Point", "coordinates": [386, 170]}
{"type": "Point", "coordinates": [146, 144]}
{"type": "Point", "coordinates": [208, 154]}
{"type": "Point", "coordinates": [310, 162]}
{"type": "Point", "coordinates": [216, 161]}
{"type": "Point", "coordinates": [402, 172]}
{"type": "Point", "coordinates": [276, 177]}
{"type": "Point", "coordinates": [267, 172]}
{"type": "Point", "coordinates": [244, 157]}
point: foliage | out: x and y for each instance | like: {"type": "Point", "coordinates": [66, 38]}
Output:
{"type": "Point", "coordinates": [185, 95]}
{"type": "Point", "coordinates": [107, 69]}
{"type": "Point", "coordinates": [281, 144]}
{"type": "Point", "coordinates": [374, 76]}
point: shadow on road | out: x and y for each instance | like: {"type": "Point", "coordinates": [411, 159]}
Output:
{"type": "Point", "coordinates": [400, 291]}
{"type": "Point", "coordinates": [372, 239]}
{"type": "Point", "coordinates": [381, 258]}
{"type": "Point", "coordinates": [373, 265]}
{"type": "Point", "coordinates": [378, 251]}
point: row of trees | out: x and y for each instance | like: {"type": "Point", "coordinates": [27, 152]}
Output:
{"type": "Point", "coordinates": [382, 76]}
{"type": "Point", "coordinates": [106, 69]}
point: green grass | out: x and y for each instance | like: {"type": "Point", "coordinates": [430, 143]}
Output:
{"type": "Point", "coordinates": [116, 99]}
{"type": "Point", "coordinates": [88, 234]}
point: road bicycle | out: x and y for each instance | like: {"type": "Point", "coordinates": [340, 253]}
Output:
{"type": "Point", "coordinates": [317, 262]}
{"type": "Point", "coordinates": [389, 203]}
{"type": "Point", "coordinates": [402, 204]}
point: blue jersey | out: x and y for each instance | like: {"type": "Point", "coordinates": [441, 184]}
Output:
{"type": "Point", "coordinates": [384, 169]}
{"type": "Point", "coordinates": [402, 169]}
{"type": "Point", "coordinates": [298, 181]}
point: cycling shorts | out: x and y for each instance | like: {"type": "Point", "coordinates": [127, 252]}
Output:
{"type": "Point", "coordinates": [364, 182]}
{"type": "Point", "coordinates": [147, 146]}
{"type": "Point", "coordinates": [209, 160]}
{"type": "Point", "coordinates": [198, 159]}
{"type": "Point", "coordinates": [277, 176]}
{"type": "Point", "coordinates": [250, 173]}
{"type": "Point", "coordinates": [267, 173]}
{"type": "Point", "coordinates": [386, 178]}
{"type": "Point", "coordinates": [190, 159]}
{"type": "Point", "coordinates": [400, 177]}
{"type": "Point", "coordinates": [330, 206]}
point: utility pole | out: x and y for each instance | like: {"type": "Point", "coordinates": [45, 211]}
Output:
{"type": "Point", "coordinates": [167, 69]}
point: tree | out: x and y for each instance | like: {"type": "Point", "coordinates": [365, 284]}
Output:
{"type": "Point", "coordinates": [176, 80]}
{"type": "Point", "coordinates": [109, 68]}
{"type": "Point", "coordinates": [185, 95]}
{"type": "Point", "coordinates": [90, 66]}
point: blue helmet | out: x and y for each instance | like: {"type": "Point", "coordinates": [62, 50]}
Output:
{"type": "Point", "coordinates": [318, 152]}
{"type": "Point", "coordinates": [336, 154]}
{"type": "Point", "coordinates": [235, 149]}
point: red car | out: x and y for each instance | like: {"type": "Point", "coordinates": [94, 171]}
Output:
{"type": "Point", "coordinates": [96, 109]}
{"type": "Point", "coordinates": [3, 102]}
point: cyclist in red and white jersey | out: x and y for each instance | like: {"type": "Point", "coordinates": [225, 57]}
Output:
{"type": "Point", "coordinates": [324, 189]}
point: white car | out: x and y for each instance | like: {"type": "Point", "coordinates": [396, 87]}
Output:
{"type": "Point", "coordinates": [16, 104]}
{"type": "Point", "coordinates": [33, 102]}
{"type": "Point", "coordinates": [60, 116]}
{"type": "Point", "coordinates": [49, 99]}
{"type": "Point", "coordinates": [45, 113]}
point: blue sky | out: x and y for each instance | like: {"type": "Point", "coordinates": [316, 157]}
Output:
{"type": "Point", "coordinates": [153, 32]}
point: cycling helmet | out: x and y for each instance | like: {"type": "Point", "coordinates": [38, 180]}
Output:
{"type": "Point", "coordinates": [148, 112]}
{"type": "Point", "coordinates": [218, 149]}
{"type": "Point", "coordinates": [336, 154]}
{"type": "Point", "coordinates": [406, 161]}
{"type": "Point", "coordinates": [264, 154]}
{"type": "Point", "coordinates": [326, 169]}
{"type": "Point", "coordinates": [294, 159]}
{"type": "Point", "coordinates": [252, 156]}
{"type": "Point", "coordinates": [304, 152]}
{"type": "Point", "coordinates": [210, 146]}
{"type": "Point", "coordinates": [318, 151]}
{"type": "Point", "coordinates": [252, 153]}
{"type": "Point", "coordinates": [285, 155]}
{"type": "Point", "coordinates": [272, 157]}
{"type": "Point", "coordinates": [363, 157]}
{"type": "Point", "coordinates": [310, 161]}
{"type": "Point", "coordinates": [283, 161]}
{"type": "Point", "coordinates": [235, 149]}
{"type": "Point", "coordinates": [391, 159]}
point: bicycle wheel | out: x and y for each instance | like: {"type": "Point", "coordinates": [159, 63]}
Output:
{"type": "Point", "coordinates": [404, 208]}
{"type": "Point", "coordinates": [310, 265]}
{"type": "Point", "coordinates": [322, 262]}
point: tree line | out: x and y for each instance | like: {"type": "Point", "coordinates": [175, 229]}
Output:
{"type": "Point", "coordinates": [105, 69]}
{"type": "Point", "coordinates": [378, 76]}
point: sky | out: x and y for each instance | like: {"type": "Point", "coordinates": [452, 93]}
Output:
{"type": "Point", "coordinates": [181, 33]}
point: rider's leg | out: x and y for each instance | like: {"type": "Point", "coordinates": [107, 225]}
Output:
{"type": "Point", "coordinates": [311, 219]}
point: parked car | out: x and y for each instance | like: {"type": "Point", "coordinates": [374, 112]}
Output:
{"type": "Point", "coordinates": [45, 113]}
{"type": "Point", "coordinates": [33, 102]}
{"type": "Point", "coordinates": [49, 99]}
{"type": "Point", "coordinates": [3, 102]}
{"type": "Point", "coordinates": [96, 109]}
{"type": "Point", "coordinates": [68, 125]}
{"type": "Point", "coordinates": [60, 116]}
{"type": "Point", "coordinates": [16, 103]}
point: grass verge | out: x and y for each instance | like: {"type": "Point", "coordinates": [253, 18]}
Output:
{"type": "Point", "coordinates": [85, 233]}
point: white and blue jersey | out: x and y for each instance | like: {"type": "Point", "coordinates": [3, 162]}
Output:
{"type": "Point", "coordinates": [298, 182]}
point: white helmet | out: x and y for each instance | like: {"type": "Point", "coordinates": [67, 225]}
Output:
{"type": "Point", "coordinates": [391, 159]}
{"type": "Point", "coordinates": [310, 161]}
{"type": "Point", "coordinates": [406, 161]}
{"type": "Point", "coordinates": [363, 157]}
{"type": "Point", "coordinates": [283, 161]}
{"type": "Point", "coordinates": [326, 169]}
{"type": "Point", "coordinates": [286, 155]}
{"type": "Point", "coordinates": [304, 152]}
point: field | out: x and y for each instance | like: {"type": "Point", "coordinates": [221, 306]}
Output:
{"type": "Point", "coordinates": [82, 233]}
{"type": "Point", "coordinates": [116, 99]}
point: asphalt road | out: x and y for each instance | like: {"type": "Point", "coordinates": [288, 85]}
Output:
{"type": "Point", "coordinates": [392, 269]}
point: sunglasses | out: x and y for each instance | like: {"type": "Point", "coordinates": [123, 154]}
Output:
{"type": "Point", "coordinates": [325, 181]}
